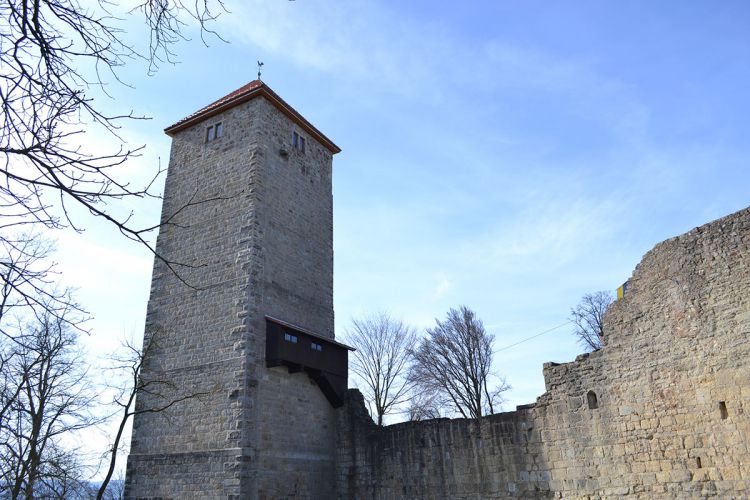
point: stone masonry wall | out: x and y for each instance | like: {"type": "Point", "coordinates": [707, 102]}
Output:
{"type": "Point", "coordinates": [198, 449]}
{"type": "Point", "coordinates": [295, 441]}
{"type": "Point", "coordinates": [661, 411]}
{"type": "Point", "coordinates": [254, 228]}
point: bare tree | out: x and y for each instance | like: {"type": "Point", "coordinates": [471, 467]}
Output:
{"type": "Point", "coordinates": [381, 360]}
{"type": "Point", "coordinates": [69, 479]}
{"type": "Point", "coordinates": [28, 291]}
{"type": "Point", "coordinates": [454, 361]}
{"type": "Point", "coordinates": [47, 397]}
{"type": "Point", "coordinates": [54, 54]}
{"type": "Point", "coordinates": [588, 319]}
{"type": "Point", "coordinates": [115, 489]}
{"type": "Point", "coordinates": [157, 386]}
{"type": "Point", "coordinates": [424, 405]}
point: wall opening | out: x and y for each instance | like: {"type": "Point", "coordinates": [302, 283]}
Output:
{"type": "Point", "coordinates": [723, 410]}
{"type": "Point", "coordinates": [592, 400]}
{"type": "Point", "coordinates": [529, 433]}
{"type": "Point", "coordinates": [698, 462]}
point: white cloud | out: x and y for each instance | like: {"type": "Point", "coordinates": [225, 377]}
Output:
{"type": "Point", "coordinates": [442, 286]}
{"type": "Point", "coordinates": [84, 258]}
{"type": "Point", "coordinates": [542, 233]}
{"type": "Point", "coordinates": [372, 45]}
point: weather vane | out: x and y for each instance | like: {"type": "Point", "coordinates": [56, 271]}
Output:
{"type": "Point", "coordinates": [260, 67]}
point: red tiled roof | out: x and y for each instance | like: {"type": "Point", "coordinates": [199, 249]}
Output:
{"type": "Point", "coordinates": [243, 94]}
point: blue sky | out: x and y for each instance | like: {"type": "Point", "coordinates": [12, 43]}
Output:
{"type": "Point", "coordinates": [510, 156]}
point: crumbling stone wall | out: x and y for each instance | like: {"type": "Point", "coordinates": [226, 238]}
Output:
{"type": "Point", "coordinates": [661, 411]}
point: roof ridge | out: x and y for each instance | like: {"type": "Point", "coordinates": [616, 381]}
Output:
{"type": "Point", "coordinates": [235, 93]}
{"type": "Point", "coordinates": [245, 93]}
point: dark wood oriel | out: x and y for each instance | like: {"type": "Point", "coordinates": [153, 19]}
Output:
{"type": "Point", "coordinates": [324, 360]}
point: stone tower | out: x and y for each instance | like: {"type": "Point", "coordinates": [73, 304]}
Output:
{"type": "Point", "coordinates": [240, 329]}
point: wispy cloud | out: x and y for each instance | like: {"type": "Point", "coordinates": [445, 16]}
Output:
{"type": "Point", "coordinates": [367, 42]}
{"type": "Point", "coordinates": [84, 259]}
{"type": "Point", "coordinates": [550, 233]}
{"type": "Point", "coordinates": [442, 286]}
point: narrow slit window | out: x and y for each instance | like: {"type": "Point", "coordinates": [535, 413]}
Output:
{"type": "Point", "coordinates": [698, 462]}
{"type": "Point", "coordinates": [592, 400]}
{"type": "Point", "coordinates": [295, 139]}
{"type": "Point", "coordinates": [723, 410]}
{"type": "Point", "coordinates": [302, 144]}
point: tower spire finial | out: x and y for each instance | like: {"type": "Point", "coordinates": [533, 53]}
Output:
{"type": "Point", "coordinates": [260, 67]}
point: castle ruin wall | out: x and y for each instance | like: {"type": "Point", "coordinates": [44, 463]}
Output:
{"type": "Point", "coordinates": [661, 411]}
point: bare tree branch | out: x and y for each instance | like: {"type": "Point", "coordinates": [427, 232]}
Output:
{"type": "Point", "coordinates": [27, 286]}
{"type": "Point", "coordinates": [424, 405]}
{"type": "Point", "coordinates": [47, 398]}
{"type": "Point", "coordinates": [454, 363]}
{"type": "Point", "coordinates": [157, 385]}
{"type": "Point", "coordinates": [381, 360]}
{"type": "Point", "coordinates": [53, 53]}
{"type": "Point", "coordinates": [166, 27]}
{"type": "Point", "coordinates": [588, 318]}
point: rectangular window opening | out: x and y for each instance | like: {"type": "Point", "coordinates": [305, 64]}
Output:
{"type": "Point", "coordinates": [290, 338]}
{"type": "Point", "coordinates": [316, 347]}
{"type": "Point", "coordinates": [298, 142]}
{"type": "Point", "coordinates": [723, 410]}
{"type": "Point", "coordinates": [214, 131]}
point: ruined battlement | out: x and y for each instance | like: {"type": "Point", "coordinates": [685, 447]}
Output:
{"type": "Point", "coordinates": [661, 411]}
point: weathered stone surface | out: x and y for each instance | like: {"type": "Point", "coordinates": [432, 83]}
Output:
{"type": "Point", "coordinates": [255, 227]}
{"type": "Point", "coordinates": [676, 348]}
